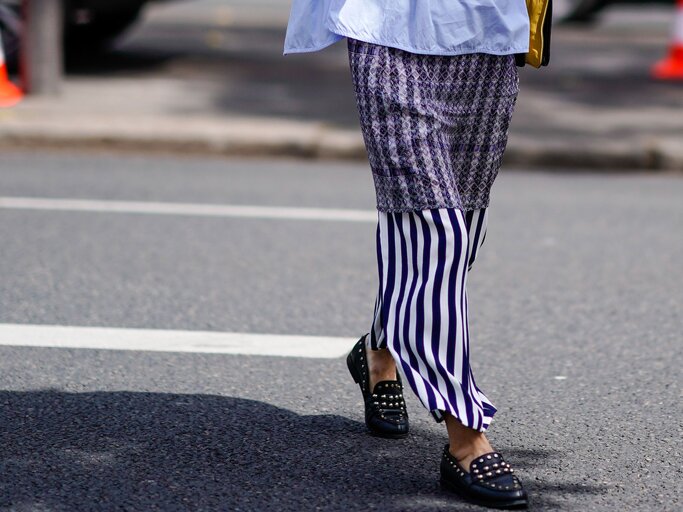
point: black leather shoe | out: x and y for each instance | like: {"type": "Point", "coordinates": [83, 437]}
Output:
{"type": "Point", "coordinates": [489, 483]}
{"type": "Point", "coordinates": [385, 408]}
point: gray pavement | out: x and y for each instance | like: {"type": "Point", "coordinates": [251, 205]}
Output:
{"type": "Point", "coordinates": [576, 318]}
{"type": "Point", "coordinates": [208, 77]}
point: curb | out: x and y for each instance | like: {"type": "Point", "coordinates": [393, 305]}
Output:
{"type": "Point", "coordinates": [634, 156]}
{"type": "Point", "coordinates": [290, 139]}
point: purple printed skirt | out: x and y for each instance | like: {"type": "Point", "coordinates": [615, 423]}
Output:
{"type": "Point", "coordinates": [435, 127]}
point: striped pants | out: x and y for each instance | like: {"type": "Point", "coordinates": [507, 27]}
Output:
{"type": "Point", "coordinates": [421, 308]}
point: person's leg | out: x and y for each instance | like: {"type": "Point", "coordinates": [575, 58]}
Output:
{"type": "Point", "coordinates": [381, 365]}
{"type": "Point", "coordinates": [433, 164]}
{"type": "Point", "coordinates": [380, 358]}
{"type": "Point", "coordinates": [465, 443]}
{"type": "Point", "coordinates": [380, 361]}
{"type": "Point", "coordinates": [422, 308]}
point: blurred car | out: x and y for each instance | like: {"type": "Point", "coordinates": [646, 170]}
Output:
{"type": "Point", "coordinates": [96, 22]}
{"type": "Point", "coordinates": [586, 10]}
{"type": "Point", "coordinates": [88, 24]}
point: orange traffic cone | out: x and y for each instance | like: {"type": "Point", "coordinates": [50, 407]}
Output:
{"type": "Point", "coordinates": [671, 68]}
{"type": "Point", "coordinates": [10, 94]}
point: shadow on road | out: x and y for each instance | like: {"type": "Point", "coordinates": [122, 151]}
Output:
{"type": "Point", "coordinates": [589, 68]}
{"type": "Point", "coordinates": [150, 451]}
{"type": "Point", "coordinates": [246, 73]}
{"type": "Point", "coordinates": [104, 64]}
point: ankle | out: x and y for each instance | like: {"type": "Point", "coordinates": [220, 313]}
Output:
{"type": "Point", "coordinates": [471, 448]}
{"type": "Point", "coordinates": [465, 444]}
{"type": "Point", "coordinates": [381, 365]}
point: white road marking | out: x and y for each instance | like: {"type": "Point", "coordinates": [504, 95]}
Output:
{"type": "Point", "coordinates": [196, 209]}
{"type": "Point", "coordinates": [158, 340]}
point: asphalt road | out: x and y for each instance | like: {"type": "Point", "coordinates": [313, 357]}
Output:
{"type": "Point", "coordinates": [576, 314]}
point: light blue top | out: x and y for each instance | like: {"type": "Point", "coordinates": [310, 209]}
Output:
{"type": "Point", "coordinates": [433, 27]}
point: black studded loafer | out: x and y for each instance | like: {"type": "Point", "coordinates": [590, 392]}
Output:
{"type": "Point", "coordinates": [489, 483]}
{"type": "Point", "coordinates": [385, 408]}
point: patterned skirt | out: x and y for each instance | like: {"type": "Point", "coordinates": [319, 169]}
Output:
{"type": "Point", "coordinates": [435, 127]}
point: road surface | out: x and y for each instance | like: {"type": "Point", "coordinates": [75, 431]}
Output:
{"type": "Point", "coordinates": [576, 315]}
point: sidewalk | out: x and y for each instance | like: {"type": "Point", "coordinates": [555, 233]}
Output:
{"type": "Point", "coordinates": [226, 89]}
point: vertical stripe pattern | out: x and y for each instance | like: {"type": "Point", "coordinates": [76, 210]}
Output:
{"type": "Point", "coordinates": [420, 314]}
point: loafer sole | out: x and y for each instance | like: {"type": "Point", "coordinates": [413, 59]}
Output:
{"type": "Point", "coordinates": [514, 504]}
{"type": "Point", "coordinates": [386, 435]}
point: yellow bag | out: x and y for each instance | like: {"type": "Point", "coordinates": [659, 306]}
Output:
{"type": "Point", "coordinates": [540, 21]}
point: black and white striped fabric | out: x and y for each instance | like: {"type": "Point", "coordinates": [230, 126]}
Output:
{"type": "Point", "coordinates": [421, 309]}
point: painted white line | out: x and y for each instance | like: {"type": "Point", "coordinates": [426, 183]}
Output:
{"type": "Point", "coordinates": [196, 209]}
{"type": "Point", "coordinates": [158, 340]}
